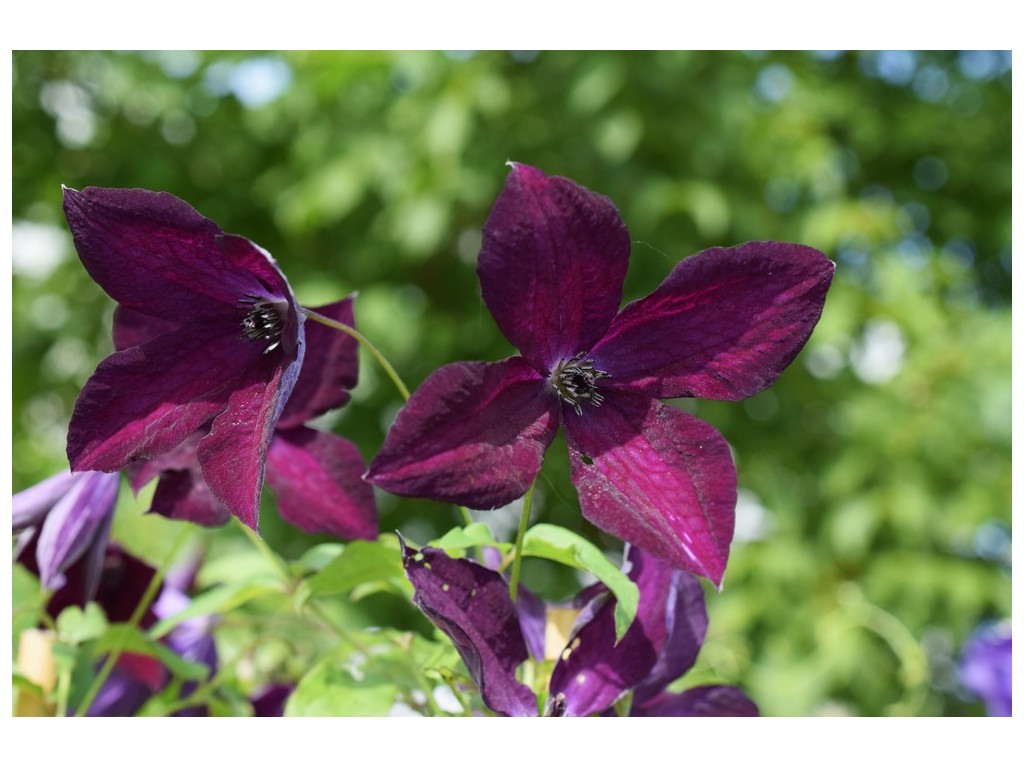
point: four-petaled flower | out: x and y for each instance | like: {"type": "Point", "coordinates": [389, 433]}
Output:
{"type": "Point", "coordinates": [224, 353]}
{"type": "Point", "coordinates": [471, 604]}
{"type": "Point", "coordinates": [723, 325]}
{"type": "Point", "coordinates": [316, 476]}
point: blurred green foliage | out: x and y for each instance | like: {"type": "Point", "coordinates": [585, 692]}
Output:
{"type": "Point", "coordinates": [874, 518]}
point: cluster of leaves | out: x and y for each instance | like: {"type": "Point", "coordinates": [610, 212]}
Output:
{"type": "Point", "coordinates": [875, 476]}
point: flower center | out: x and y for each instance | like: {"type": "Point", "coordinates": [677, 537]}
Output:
{"type": "Point", "coordinates": [264, 319]}
{"type": "Point", "coordinates": [575, 380]}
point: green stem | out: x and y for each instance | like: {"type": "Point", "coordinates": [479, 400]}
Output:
{"type": "Point", "coordinates": [524, 522]}
{"type": "Point", "coordinates": [365, 342]}
{"type": "Point", "coordinates": [268, 554]}
{"type": "Point", "coordinates": [133, 622]}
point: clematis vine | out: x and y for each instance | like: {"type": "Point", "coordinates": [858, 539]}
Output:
{"type": "Point", "coordinates": [223, 354]}
{"type": "Point", "coordinates": [316, 476]}
{"type": "Point", "coordinates": [494, 636]}
{"type": "Point", "coordinates": [63, 521]}
{"type": "Point", "coordinates": [723, 325]}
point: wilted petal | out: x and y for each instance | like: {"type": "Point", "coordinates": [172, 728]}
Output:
{"type": "Point", "coordinates": [146, 399]}
{"type": "Point", "coordinates": [723, 325]}
{"type": "Point", "coordinates": [471, 605]}
{"type": "Point", "coordinates": [472, 434]}
{"type": "Point", "coordinates": [705, 701]}
{"type": "Point", "coordinates": [552, 264]}
{"type": "Point", "coordinates": [75, 524]}
{"type": "Point", "coordinates": [153, 252]}
{"type": "Point", "coordinates": [317, 479]}
{"type": "Point", "coordinates": [330, 367]}
{"type": "Point", "coordinates": [657, 478]}
{"type": "Point", "coordinates": [30, 506]}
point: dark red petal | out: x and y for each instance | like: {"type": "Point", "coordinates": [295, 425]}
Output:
{"type": "Point", "coordinates": [132, 327]}
{"type": "Point", "coordinates": [144, 400]}
{"type": "Point", "coordinates": [705, 701]}
{"type": "Point", "coordinates": [471, 605]}
{"type": "Point", "coordinates": [317, 479]}
{"type": "Point", "coordinates": [330, 367]}
{"type": "Point", "coordinates": [724, 324]}
{"type": "Point", "coordinates": [552, 264]}
{"type": "Point", "coordinates": [472, 434]}
{"type": "Point", "coordinates": [155, 253]}
{"type": "Point", "coordinates": [657, 478]}
{"type": "Point", "coordinates": [181, 493]}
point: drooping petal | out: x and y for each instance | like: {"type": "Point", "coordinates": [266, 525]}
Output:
{"type": "Point", "coordinates": [74, 525]}
{"type": "Point", "coordinates": [705, 701]}
{"type": "Point", "coordinates": [144, 400]}
{"type": "Point", "coordinates": [723, 325]}
{"type": "Point", "coordinates": [552, 263]}
{"type": "Point", "coordinates": [152, 252]}
{"type": "Point", "coordinates": [29, 507]}
{"type": "Point", "coordinates": [594, 671]}
{"type": "Point", "coordinates": [330, 367]}
{"type": "Point", "coordinates": [233, 455]}
{"type": "Point", "coordinates": [472, 434]}
{"type": "Point", "coordinates": [657, 478]}
{"type": "Point", "coordinates": [471, 605]}
{"type": "Point", "coordinates": [317, 479]}
{"type": "Point", "coordinates": [686, 622]}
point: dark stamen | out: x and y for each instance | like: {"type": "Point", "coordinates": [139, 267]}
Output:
{"type": "Point", "coordinates": [264, 319]}
{"type": "Point", "coordinates": [575, 380]}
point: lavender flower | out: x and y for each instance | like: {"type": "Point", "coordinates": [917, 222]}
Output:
{"type": "Point", "coordinates": [224, 353]}
{"type": "Point", "coordinates": [471, 604]}
{"type": "Point", "coordinates": [987, 669]}
{"type": "Point", "coordinates": [723, 325]}
{"type": "Point", "coordinates": [62, 521]}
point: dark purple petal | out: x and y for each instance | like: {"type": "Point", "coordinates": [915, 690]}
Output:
{"type": "Point", "coordinates": [29, 507]}
{"type": "Point", "coordinates": [472, 434]}
{"type": "Point", "coordinates": [686, 622]}
{"type": "Point", "coordinates": [330, 367]}
{"type": "Point", "coordinates": [121, 695]}
{"type": "Point", "coordinates": [723, 325]}
{"type": "Point", "coordinates": [75, 523]}
{"type": "Point", "coordinates": [471, 605]}
{"type": "Point", "coordinates": [271, 701]}
{"type": "Point", "coordinates": [552, 264]}
{"type": "Point", "coordinates": [657, 478]}
{"type": "Point", "coordinates": [181, 493]}
{"type": "Point", "coordinates": [233, 455]}
{"type": "Point", "coordinates": [317, 479]}
{"type": "Point", "coordinates": [155, 253]}
{"type": "Point", "coordinates": [145, 400]}
{"type": "Point", "coordinates": [705, 701]}
{"type": "Point", "coordinates": [132, 327]}
{"type": "Point", "coordinates": [593, 672]}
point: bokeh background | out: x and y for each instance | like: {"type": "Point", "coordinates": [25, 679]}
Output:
{"type": "Point", "coordinates": [873, 527]}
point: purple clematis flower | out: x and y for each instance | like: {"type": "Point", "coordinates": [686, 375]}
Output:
{"type": "Point", "coordinates": [62, 521]}
{"type": "Point", "coordinates": [471, 604]}
{"type": "Point", "coordinates": [224, 355]}
{"type": "Point", "coordinates": [987, 669]}
{"type": "Point", "coordinates": [316, 476]}
{"type": "Point", "coordinates": [723, 325]}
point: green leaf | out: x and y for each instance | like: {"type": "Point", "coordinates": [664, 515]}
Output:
{"type": "Point", "coordinates": [218, 600]}
{"type": "Point", "coordinates": [359, 563]}
{"type": "Point", "coordinates": [77, 626]}
{"type": "Point", "coordinates": [133, 640]}
{"type": "Point", "coordinates": [335, 688]}
{"type": "Point", "coordinates": [458, 540]}
{"type": "Point", "coordinates": [552, 542]}
{"type": "Point", "coordinates": [318, 557]}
